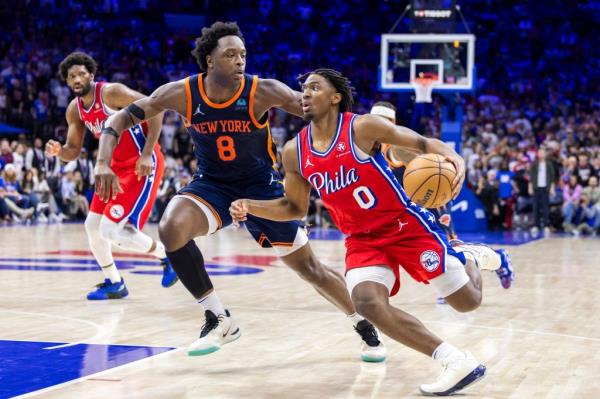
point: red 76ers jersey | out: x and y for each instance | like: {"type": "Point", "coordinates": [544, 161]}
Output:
{"type": "Point", "coordinates": [359, 191]}
{"type": "Point", "coordinates": [132, 140]}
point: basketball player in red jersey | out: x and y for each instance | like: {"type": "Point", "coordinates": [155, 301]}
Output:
{"type": "Point", "coordinates": [338, 154]}
{"type": "Point", "coordinates": [138, 163]}
{"type": "Point", "coordinates": [397, 158]}
{"type": "Point", "coordinates": [227, 118]}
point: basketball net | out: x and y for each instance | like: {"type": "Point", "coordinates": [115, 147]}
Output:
{"type": "Point", "coordinates": [423, 87]}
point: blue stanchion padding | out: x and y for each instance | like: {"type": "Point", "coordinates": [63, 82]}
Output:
{"type": "Point", "coordinates": [468, 213]}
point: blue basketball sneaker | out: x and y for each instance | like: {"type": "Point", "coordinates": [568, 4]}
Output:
{"type": "Point", "coordinates": [108, 290]}
{"type": "Point", "coordinates": [505, 272]}
{"type": "Point", "coordinates": [169, 276]}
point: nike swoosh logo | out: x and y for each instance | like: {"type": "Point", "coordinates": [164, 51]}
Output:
{"type": "Point", "coordinates": [233, 333]}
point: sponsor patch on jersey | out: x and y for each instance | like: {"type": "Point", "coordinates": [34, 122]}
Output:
{"type": "Point", "coordinates": [117, 211]}
{"type": "Point", "coordinates": [430, 260]}
{"type": "Point", "coordinates": [341, 147]}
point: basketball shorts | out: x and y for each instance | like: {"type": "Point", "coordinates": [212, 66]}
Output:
{"type": "Point", "coordinates": [135, 203]}
{"type": "Point", "coordinates": [215, 197]}
{"type": "Point", "coordinates": [413, 241]}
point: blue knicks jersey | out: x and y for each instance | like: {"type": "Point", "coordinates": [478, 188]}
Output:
{"type": "Point", "coordinates": [229, 143]}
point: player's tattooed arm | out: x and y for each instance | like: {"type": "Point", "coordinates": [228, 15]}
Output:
{"type": "Point", "coordinates": [271, 93]}
{"type": "Point", "coordinates": [293, 206]}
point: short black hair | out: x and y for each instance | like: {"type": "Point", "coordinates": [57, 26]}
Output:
{"type": "Point", "coordinates": [77, 58]}
{"type": "Point", "coordinates": [386, 104]}
{"type": "Point", "coordinates": [209, 40]}
{"type": "Point", "coordinates": [341, 84]}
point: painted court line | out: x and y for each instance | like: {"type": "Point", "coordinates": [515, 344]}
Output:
{"type": "Point", "coordinates": [94, 376]}
{"type": "Point", "coordinates": [100, 329]}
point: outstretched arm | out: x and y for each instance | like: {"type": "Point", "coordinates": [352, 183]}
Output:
{"type": "Point", "coordinates": [272, 93]}
{"type": "Point", "coordinates": [121, 96]}
{"type": "Point", "coordinates": [372, 129]}
{"type": "Point", "coordinates": [293, 206]}
{"type": "Point", "coordinates": [75, 134]}
{"type": "Point", "coordinates": [168, 96]}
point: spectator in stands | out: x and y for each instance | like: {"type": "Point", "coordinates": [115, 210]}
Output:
{"type": "Point", "coordinates": [583, 217]}
{"type": "Point", "coordinates": [571, 196]}
{"type": "Point", "coordinates": [46, 195]}
{"type": "Point", "coordinates": [35, 156]}
{"type": "Point", "coordinates": [487, 191]}
{"type": "Point", "coordinates": [6, 156]}
{"type": "Point", "coordinates": [541, 185]}
{"type": "Point", "coordinates": [17, 204]}
{"type": "Point", "coordinates": [75, 203]}
{"type": "Point", "coordinates": [584, 170]}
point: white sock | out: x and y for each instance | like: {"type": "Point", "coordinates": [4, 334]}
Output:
{"type": "Point", "coordinates": [158, 251]}
{"type": "Point", "coordinates": [112, 273]}
{"type": "Point", "coordinates": [444, 350]}
{"type": "Point", "coordinates": [355, 318]}
{"type": "Point", "coordinates": [213, 303]}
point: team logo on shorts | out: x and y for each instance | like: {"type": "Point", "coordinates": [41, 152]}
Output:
{"type": "Point", "coordinates": [430, 260]}
{"type": "Point", "coordinates": [117, 211]}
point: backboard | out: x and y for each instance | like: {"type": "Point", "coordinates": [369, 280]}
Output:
{"type": "Point", "coordinates": [449, 56]}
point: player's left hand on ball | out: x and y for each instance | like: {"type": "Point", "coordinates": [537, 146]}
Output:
{"type": "Point", "coordinates": [459, 165]}
{"type": "Point", "coordinates": [239, 211]}
{"type": "Point", "coordinates": [143, 166]}
{"type": "Point", "coordinates": [107, 183]}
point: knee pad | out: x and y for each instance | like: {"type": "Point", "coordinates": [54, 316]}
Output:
{"type": "Point", "coordinates": [109, 230]}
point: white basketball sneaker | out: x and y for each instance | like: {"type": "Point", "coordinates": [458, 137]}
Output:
{"type": "Point", "coordinates": [458, 372]}
{"type": "Point", "coordinates": [216, 331]}
{"type": "Point", "coordinates": [372, 349]}
{"type": "Point", "coordinates": [485, 257]}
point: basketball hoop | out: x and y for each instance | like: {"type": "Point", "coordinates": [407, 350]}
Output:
{"type": "Point", "coordinates": [423, 86]}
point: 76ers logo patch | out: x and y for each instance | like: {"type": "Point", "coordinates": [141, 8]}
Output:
{"type": "Point", "coordinates": [430, 260]}
{"type": "Point", "coordinates": [117, 211]}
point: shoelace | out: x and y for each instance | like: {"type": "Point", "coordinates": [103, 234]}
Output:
{"type": "Point", "coordinates": [210, 324]}
{"type": "Point", "coordinates": [367, 333]}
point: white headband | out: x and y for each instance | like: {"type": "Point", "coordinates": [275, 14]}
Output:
{"type": "Point", "coordinates": [384, 111]}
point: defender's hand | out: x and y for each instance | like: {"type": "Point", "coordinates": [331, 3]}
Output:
{"type": "Point", "coordinates": [239, 211]}
{"type": "Point", "coordinates": [107, 183]}
{"type": "Point", "coordinates": [144, 166]}
{"type": "Point", "coordinates": [53, 148]}
{"type": "Point", "coordinates": [459, 165]}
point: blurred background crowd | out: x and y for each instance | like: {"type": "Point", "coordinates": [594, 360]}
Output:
{"type": "Point", "coordinates": [531, 140]}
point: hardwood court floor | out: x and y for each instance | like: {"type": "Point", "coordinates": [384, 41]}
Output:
{"type": "Point", "coordinates": [540, 339]}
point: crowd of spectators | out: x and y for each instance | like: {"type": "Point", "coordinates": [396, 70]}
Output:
{"type": "Point", "coordinates": [537, 85]}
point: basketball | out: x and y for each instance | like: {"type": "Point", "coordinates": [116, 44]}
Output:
{"type": "Point", "coordinates": [428, 180]}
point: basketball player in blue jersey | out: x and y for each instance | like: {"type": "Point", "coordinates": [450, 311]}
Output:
{"type": "Point", "coordinates": [227, 116]}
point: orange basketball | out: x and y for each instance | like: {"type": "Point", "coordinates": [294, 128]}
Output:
{"type": "Point", "coordinates": [428, 180]}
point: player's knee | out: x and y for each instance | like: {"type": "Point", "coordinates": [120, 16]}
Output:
{"type": "Point", "coordinates": [170, 233]}
{"type": "Point", "coordinates": [367, 306]}
{"type": "Point", "coordinates": [109, 230]}
{"type": "Point", "coordinates": [468, 303]}
{"type": "Point", "coordinates": [312, 271]}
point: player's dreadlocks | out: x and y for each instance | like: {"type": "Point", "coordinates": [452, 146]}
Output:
{"type": "Point", "coordinates": [341, 83]}
{"type": "Point", "coordinates": [206, 43]}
